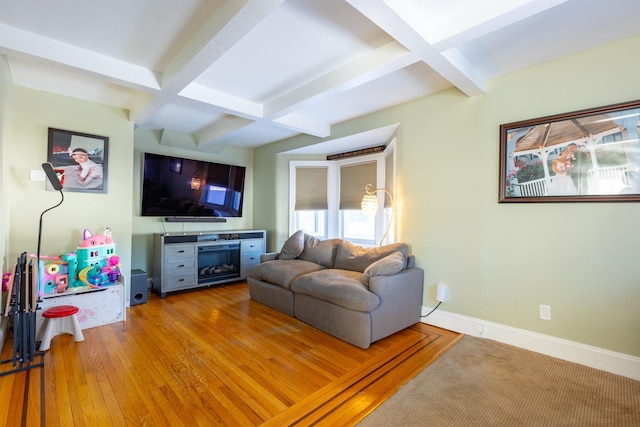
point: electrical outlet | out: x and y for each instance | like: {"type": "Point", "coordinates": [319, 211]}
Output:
{"type": "Point", "coordinates": [545, 312]}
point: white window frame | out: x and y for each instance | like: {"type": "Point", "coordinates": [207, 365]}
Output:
{"type": "Point", "coordinates": [333, 189]}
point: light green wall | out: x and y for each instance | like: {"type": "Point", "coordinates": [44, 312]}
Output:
{"type": "Point", "coordinates": [173, 144]}
{"type": "Point", "coordinates": [6, 93]}
{"type": "Point", "coordinates": [32, 113]}
{"type": "Point", "coordinates": [502, 260]}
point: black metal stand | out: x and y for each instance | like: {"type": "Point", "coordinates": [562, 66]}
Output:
{"type": "Point", "coordinates": [23, 303]}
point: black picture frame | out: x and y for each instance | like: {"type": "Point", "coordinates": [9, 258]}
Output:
{"type": "Point", "coordinates": [80, 160]}
{"type": "Point", "coordinates": [175, 165]}
{"type": "Point", "coordinates": [590, 155]}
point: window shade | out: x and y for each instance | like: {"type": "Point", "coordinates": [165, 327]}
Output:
{"type": "Point", "coordinates": [353, 180]}
{"type": "Point", "coordinates": [311, 188]}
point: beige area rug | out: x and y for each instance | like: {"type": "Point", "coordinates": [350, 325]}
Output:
{"type": "Point", "coordinates": [479, 382]}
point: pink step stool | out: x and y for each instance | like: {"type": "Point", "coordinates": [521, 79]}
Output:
{"type": "Point", "coordinates": [57, 321]}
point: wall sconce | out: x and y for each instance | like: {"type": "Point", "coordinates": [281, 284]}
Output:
{"type": "Point", "coordinates": [369, 206]}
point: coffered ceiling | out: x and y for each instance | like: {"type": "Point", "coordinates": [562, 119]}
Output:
{"type": "Point", "coordinates": [247, 73]}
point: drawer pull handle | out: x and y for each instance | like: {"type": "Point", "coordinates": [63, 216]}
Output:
{"type": "Point", "coordinates": [181, 280]}
{"type": "Point", "coordinates": [181, 265]}
{"type": "Point", "coordinates": [181, 252]}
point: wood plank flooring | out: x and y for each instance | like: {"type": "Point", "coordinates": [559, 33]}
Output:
{"type": "Point", "coordinates": [213, 357]}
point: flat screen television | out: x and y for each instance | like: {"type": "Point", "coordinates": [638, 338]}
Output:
{"type": "Point", "coordinates": [183, 188]}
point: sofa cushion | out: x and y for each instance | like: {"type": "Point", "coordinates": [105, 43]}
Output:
{"type": "Point", "coordinates": [387, 266]}
{"type": "Point", "coordinates": [283, 272]}
{"type": "Point", "coordinates": [356, 258]}
{"type": "Point", "coordinates": [340, 287]}
{"type": "Point", "coordinates": [293, 246]}
{"type": "Point", "coordinates": [322, 252]}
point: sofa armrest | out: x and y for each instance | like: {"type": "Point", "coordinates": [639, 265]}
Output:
{"type": "Point", "coordinates": [400, 301]}
{"type": "Point", "coordinates": [411, 261]}
{"type": "Point", "coordinates": [269, 256]}
{"type": "Point", "coordinates": [407, 283]}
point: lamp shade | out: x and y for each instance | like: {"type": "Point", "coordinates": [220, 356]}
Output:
{"type": "Point", "coordinates": [369, 204]}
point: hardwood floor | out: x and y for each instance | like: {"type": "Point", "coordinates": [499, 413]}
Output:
{"type": "Point", "coordinates": [214, 357]}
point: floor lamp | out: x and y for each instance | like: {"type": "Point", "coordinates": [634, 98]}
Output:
{"type": "Point", "coordinates": [369, 206]}
{"type": "Point", "coordinates": [57, 185]}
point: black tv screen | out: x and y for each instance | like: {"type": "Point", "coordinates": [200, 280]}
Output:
{"type": "Point", "coordinates": [179, 187]}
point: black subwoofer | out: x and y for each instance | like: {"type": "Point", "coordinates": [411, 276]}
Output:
{"type": "Point", "coordinates": [138, 287]}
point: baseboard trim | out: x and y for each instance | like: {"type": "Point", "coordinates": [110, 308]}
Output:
{"type": "Point", "coordinates": [595, 357]}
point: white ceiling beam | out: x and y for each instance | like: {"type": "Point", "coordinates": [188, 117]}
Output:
{"type": "Point", "coordinates": [249, 110]}
{"type": "Point", "coordinates": [368, 67]}
{"type": "Point", "coordinates": [226, 26]}
{"type": "Point", "coordinates": [304, 124]}
{"type": "Point", "coordinates": [210, 136]}
{"type": "Point", "coordinates": [219, 133]}
{"type": "Point", "coordinates": [396, 22]}
{"type": "Point", "coordinates": [223, 101]}
{"type": "Point", "coordinates": [14, 41]}
{"type": "Point", "coordinates": [216, 133]}
{"type": "Point", "coordinates": [490, 20]}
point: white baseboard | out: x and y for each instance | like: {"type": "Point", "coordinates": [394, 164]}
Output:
{"type": "Point", "coordinates": [598, 358]}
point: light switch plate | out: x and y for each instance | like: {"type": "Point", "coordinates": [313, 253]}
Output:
{"type": "Point", "coordinates": [37, 175]}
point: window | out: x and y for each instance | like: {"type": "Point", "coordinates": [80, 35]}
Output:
{"type": "Point", "coordinates": [354, 177]}
{"type": "Point", "coordinates": [311, 202]}
{"type": "Point", "coordinates": [326, 197]}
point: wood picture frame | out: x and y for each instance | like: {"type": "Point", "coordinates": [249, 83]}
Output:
{"type": "Point", "coordinates": [590, 155]}
{"type": "Point", "coordinates": [79, 159]}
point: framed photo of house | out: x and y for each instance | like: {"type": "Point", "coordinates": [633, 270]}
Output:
{"type": "Point", "coordinates": [585, 156]}
{"type": "Point", "coordinates": [79, 159]}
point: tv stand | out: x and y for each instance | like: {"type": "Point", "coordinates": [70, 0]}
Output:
{"type": "Point", "coordinates": [196, 259]}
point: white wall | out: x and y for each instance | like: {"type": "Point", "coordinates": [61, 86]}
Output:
{"type": "Point", "coordinates": [5, 104]}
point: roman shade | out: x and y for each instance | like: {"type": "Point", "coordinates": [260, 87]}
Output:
{"type": "Point", "coordinates": [353, 180]}
{"type": "Point", "coordinates": [311, 188]}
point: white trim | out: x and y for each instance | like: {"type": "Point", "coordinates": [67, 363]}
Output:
{"type": "Point", "coordinates": [594, 357]}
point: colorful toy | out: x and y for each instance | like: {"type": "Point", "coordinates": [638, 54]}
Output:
{"type": "Point", "coordinates": [6, 278]}
{"type": "Point", "coordinates": [93, 264]}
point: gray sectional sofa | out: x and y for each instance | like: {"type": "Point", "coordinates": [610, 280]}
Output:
{"type": "Point", "coordinates": [357, 294]}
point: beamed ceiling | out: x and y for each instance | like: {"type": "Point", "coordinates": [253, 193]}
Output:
{"type": "Point", "coordinates": [248, 73]}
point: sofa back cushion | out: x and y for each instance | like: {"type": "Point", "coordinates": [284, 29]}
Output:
{"type": "Point", "coordinates": [356, 258]}
{"type": "Point", "coordinates": [387, 266]}
{"type": "Point", "coordinates": [293, 247]}
{"type": "Point", "coordinates": [321, 252]}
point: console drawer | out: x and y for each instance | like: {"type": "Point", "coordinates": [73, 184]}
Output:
{"type": "Point", "coordinates": [174, 252]}
{"type": "Point", "coordinates": [179, 281]}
